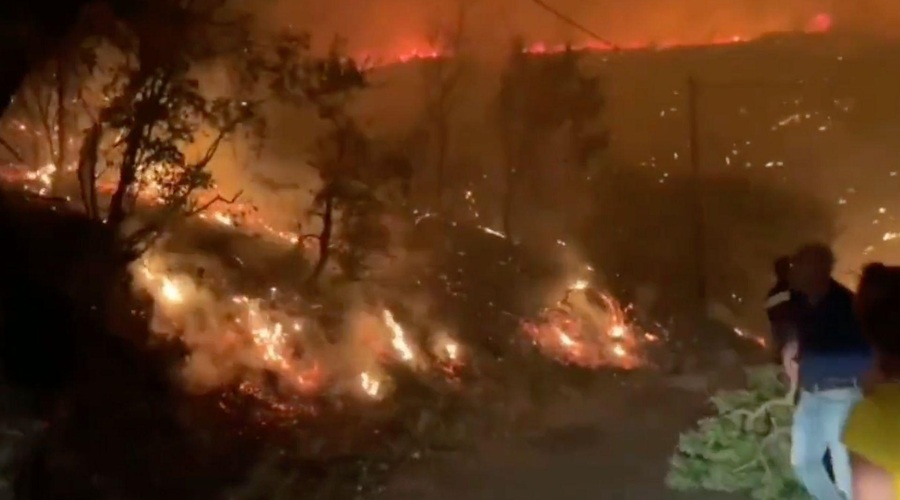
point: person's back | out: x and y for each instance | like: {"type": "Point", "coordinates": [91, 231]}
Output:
{"type": "Point", "coordinates": [833, 358]}
{"type": "Point", "coordinates": [872, 432]}
{"type": "Point", "coordinates": [832, 347]}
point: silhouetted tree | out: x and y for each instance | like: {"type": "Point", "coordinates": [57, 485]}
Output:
{"type": "Point", "coordinates": [441, 77]}
{"type": "Point", "coordinates": [339, 152]}
{"type": "Point", "coordinates": [156, 108]}
{"type": "Point", "coordinates": [356, 177]}
{"type": "Point", "coordinates": [55, 103]}
{"type": "Point", "coordinates": [538, 97]}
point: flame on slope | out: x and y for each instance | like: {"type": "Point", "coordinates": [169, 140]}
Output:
{"type": "Point", "coordinates": [371, 385]}
{"type": "Point", "coordinates": [398, 338]}
{"type": "Point", "coordinates": [820, 23]}
{"type": "Point", "coordinates": [587, 328]}
{"type": "Point", "coordinates": [231, 215]}
{"type": "Point", "coordinates": [235, 340]}
{"type": "Point", "coordinates": [252, 339]}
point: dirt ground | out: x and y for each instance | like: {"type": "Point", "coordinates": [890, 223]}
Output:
{"type": "Point", "coordinates": [612, 444]}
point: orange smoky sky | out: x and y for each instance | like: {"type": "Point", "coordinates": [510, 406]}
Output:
{"type": "Point", "coordinates": [392, 27]}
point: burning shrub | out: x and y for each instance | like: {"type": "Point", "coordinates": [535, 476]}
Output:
{"type": "Point", "coordinates": [589, 329]}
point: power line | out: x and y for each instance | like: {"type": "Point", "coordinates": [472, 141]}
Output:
{"type": "Point", "coordinates": [575, 24]}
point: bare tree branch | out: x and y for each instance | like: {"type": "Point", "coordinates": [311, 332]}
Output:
{"type": "Point", "coordinates": [211, 150]}
{"type": "Point", "coordinates": [7, 146]}
{"type": "Point", "coordinates": [216, 199]}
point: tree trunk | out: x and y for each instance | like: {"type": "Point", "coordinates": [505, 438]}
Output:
{"type": "Point", "coordinates": [61, 133]}
{"type": "Point", "coordinates": [324, 238]}
{"type": "Point", "coordinates": [127, 176]}
{"type": "Point", "coordinates": [87, 170]}
{"type": "Point", "coordinates": [441, 165]}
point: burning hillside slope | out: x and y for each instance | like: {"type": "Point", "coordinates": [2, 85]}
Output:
{"type": "Point", "coordinates": [393, 29]}
{"type": "Point", "coordinates": [803, 115]}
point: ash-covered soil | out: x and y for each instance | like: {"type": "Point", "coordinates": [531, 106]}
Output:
{"type": "Point", "coordinates": [613, 444]}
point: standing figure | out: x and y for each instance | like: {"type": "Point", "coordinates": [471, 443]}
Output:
{"type": "Point", "coordinates": [833, 358]}
{"type": "Point", "coordinates": [872, 433]}
{"type": "Point", "coordinates": [782, 308]}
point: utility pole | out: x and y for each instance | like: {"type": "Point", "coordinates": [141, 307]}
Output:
{"type": "Point", "coordinates": [698, 201]}
{"type": "Point", "coordinates": [698, 205]}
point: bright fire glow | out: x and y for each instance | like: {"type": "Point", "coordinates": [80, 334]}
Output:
{"type": "Point", "coordinates": [370, 385]}
{"type": "Point", "coordinates": [820, 23]}
{"type": "Point", "coordinates": [398, 338]}
{"type": "Point", "coordinates": [170, 291]}
{"type": "Point", "coordinates": [587, 328]}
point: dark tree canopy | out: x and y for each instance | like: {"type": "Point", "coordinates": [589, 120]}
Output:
{"type": "Point", "coordinates": [31, 31]}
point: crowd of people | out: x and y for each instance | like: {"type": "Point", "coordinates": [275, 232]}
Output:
{"type": "Point", "coordinates": [841, 352]}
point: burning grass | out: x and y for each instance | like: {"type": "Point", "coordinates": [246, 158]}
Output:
{"type": "Point", "coordinates": [335, 388]}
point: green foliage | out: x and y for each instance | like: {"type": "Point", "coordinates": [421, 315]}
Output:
{"type": "Point", "coordinates": [745, 447]}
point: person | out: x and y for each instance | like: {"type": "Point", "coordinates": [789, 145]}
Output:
{"type": "Point", "coordinates": [782, 311]}
{"type": "Point", "coordinates": [872, 433]}
{"type": "Point", "coordinates": [781, 305]}
{"type": "Point", "coordinates": [832, 358]}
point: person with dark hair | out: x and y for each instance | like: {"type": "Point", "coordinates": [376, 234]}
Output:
{"type": "Point", "coordinates": [872, 433]}
{"type": "Point", "coordinates": [833, 357]}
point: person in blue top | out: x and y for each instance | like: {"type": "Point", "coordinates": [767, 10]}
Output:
{"type": "Point", "coordinates": [833, 357]}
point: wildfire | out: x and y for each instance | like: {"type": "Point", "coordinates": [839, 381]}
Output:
{"type": "Point", "coordinates": [179, 298]}
{"type": "Point", "coordinates": [258, 336]}
{"type": "Point", "coordinates": [398, 338]}
{"type": "Point", "coordinates": [44, 177]}
{"type": "Point", "coordinates": [370, 385]}
{"type": "Point", "coordinates": [170, 291]}
{"type": "Point", "coordinates": [230, 215]}
{"type": "Point", "coordinates": [452, 351]}
{"type": "Point", "coordinates": [820, 23]}
{"type": "Point", "coordinates": [589, 330]}
{"type": "Point", "coordinates": [261, 339]}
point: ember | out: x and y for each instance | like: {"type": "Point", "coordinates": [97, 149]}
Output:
{"type": "Point", "coordinates": [587, 328]}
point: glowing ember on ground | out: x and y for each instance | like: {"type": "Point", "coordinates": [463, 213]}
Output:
{"type": "Point", "coordinates": [493, 232]}
{"type": "Point", "coordinates": [741, 333]}
{"type": "Point", "coordinates": [580, 285]}
{"type": "Point", "coordinates": [266, 340]}
{"type": "Point", "coordinates": [42, 177]}
{"type": "Point", "coordinates": [452, 351]}
{"type": "Point", "coordinates": [171, 292]}
{"type": "Point", "coordinates": [617, 331]}
{"type": "Point", "coordinates": [370, 385]}
{"type": "Point", "coordinates": [446, 348]}
{"type": "Point", "coordinates": [223, 219]}
{"type": "Point", "coordinates": [252, 337]}
{"type": "Point", "coordinates": [587, 328]}
{"type": "Point", "coordinates": [565, 340]}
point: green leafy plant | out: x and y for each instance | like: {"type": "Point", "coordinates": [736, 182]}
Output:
{"type": "Point", "coordinates": [745, 447]}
